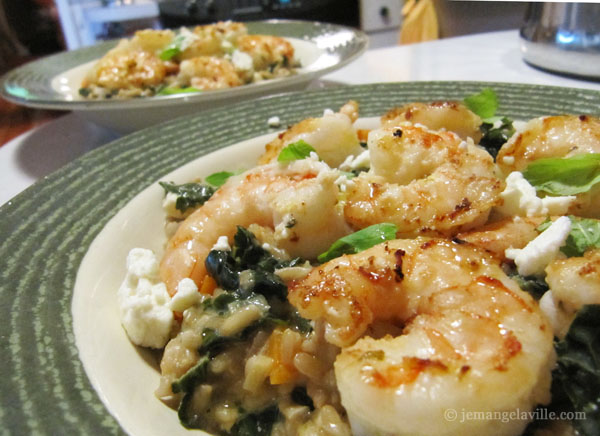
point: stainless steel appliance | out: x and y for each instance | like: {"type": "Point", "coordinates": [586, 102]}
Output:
{"type": "Point", "coordinates": [563, 37]}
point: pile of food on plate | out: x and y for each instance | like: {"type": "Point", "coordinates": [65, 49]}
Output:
{"type": "Point", "coordinates": [209, 57]}
{"type": "Point", "coordinates": [438, 274]}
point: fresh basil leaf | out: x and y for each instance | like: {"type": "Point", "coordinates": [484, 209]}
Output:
{"type": "Point", "coordinates": [219, 179]}
{"type": "Point", "coordinates": [579, 368]}
{"type": "Point", "coordinates": [564, 176]}
{"type": "Point", "coordinates": [174, 90]}
{"type": "Point", "coordinates": [585, 234]}
{"type": "Point", "coordinates": [483, 104]}
{"type": "Point", "coordinates": [173, 49]}
{"type": "Point", "coordinates": [494, 137]}
{"type": "Point", "coordinates": [257, 424]}
{"type": "Point", "coordinates": [295, 151]}
{"type": "Point", "coordinates": [359, 241]}
{"type": "Point", "coordinates": [189, 194]}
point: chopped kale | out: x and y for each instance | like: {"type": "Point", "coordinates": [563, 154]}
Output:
{"type": "Point", "coordinates": [301, 397]}
{"type": "Point", "coordinates": [536, 286]}
{"type": "Point", "coordinates": [196, 375]}
{"type": "Point", "coordinates": [85, 92]}
{"type": "Point", "coordinates": [222, 267]}
{"type": "Point", "coordinates": [579, 368]}
{"type": "Point", "coordinates": [257, 424]}
{"type": "Point", "coordinates": [495, 137]}
{"type": "Point", "coordinates": [189, 194]}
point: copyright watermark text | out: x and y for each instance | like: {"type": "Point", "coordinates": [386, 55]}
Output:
{"type": "Point", "coordinates": [464, 415]}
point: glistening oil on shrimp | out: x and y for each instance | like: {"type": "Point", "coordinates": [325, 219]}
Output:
{"type": "Point", "coordinates": [338, 290]}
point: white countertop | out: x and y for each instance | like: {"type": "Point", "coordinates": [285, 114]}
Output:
{"type": "Point", "coordinates": [493, 57]}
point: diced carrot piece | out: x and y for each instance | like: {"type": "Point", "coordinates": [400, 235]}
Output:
{"type": "Point", "coordinates": [208, 285]}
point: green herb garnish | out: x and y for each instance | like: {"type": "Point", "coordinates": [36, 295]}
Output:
{"type": "Point", "coordinates": [564, 176]}
{"type": "Point", "coordinates": [359, 241]}
{"type": "Point", "coordinates": [295, 151]}
{"type": "Point", "coordinates": [585, 233]}
{"type": "Point", "coordinates": [175, 90]}
{"type": "Point", "coordinates": [219, 179]}
{"type": "Point", "coordinates": [483, 104]}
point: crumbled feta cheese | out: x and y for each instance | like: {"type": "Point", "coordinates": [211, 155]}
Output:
{"type": "Point", "coordinates": [274, 122]}
{"type": "Point", "coordinates": [520, 198]}
{"type": "Point", "coordinates": [463, 145]}
{"type": "Point", "coordinates": [363, 160]}
{"type": "Point", "coordinates": [187, 38]}
{"type": "Point", "coordinates": [537, 254]}
{"type": "Point", "coordinates": [241, 60]}
{"type": "Point", "coordinates": [187, 295]}
{"type": "Point", "coordinates": [144, 301]}
{"type": "Point", "coordinates": [559, 319]}
{"type": "Point", "coordinates": [222, 244]}
{"type": "Point", "coordinates": [169, 205]}
{"type": "Point", "coordinates": [328, 112]}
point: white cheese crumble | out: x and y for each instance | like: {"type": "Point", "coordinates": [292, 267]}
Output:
{"type": "Point", "coordinates": [558, 318]}
{"type": "Point", "coordinates": [187, 38]}
{"type": "Point", "coordinates": [144, 301]}
{"type": "Point", "coordinates": [520, 198]}
{"type": "Point", "coordinates": [274, 121]}
{"type": "Point", "coordinates": [169, 205]}
{"type": "Point", "coordinates": [363, 160]}
{"type": "Point", "coordinates": [241, 60]}
{"type": "Point", "coordinates": [187, 295]}
{"type": "Point", "coordinates": [222, 244]}
{"type": "Point", "coordinates": [328, 112]}
{"type": "Point", "coordinates": [537, 254]}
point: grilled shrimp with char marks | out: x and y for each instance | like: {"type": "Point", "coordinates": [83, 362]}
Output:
{"type": "Point", "coordinates": [449, 115]}
{"type": "Point", "coordinates": [425, 182]}
{"type": "Point", "coordinates": [332, 136]}
{"type": "Point", "coordinates": [297, 200]}
{"type": "Point", "coordinates": [470, 339]}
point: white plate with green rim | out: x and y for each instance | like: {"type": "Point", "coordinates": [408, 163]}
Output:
{"type": "Point", "coordinates": [53, 82]}
{"type": "Point", "coordinates": [48, 229]}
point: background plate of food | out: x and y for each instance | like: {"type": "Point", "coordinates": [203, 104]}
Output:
{"type": "Point", "coordinates": [159, 75]}
{"type": "Point", "coordinates": [69, 366]}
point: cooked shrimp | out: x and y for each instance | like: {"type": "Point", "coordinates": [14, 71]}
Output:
{"type": "Point", "coordinates": [206, 73]}
{"type": "Point", "coordinates": [449, 115]}
{"type": "Point", "coordinates": [332, 136]}
{"type": "Point", "coordinates": [470, 339]}
{"type": "Point", "coordinates": [574, 282]}
{"type": "Point", "coordinates": [496, 237]}
{"type": "Point", "coordinates": [152, 40]}
{"type": "Point", "coordinates": [557, 136]}
{"type": "Point", "coordinates": [212, 39]}
{"type": "Point", "coordinates": [124, 67]}
{"type": "Point", "coordinates": [267, 50]}
{"type": "Point", "coordinates": [298, 201]}
{"type": "Point", "coordinates": [423, 181]}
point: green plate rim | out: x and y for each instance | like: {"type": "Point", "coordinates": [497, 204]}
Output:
{"type": "Point", "coordinates": [47, 229]}
{"type": "Point", "coordinates": [30, 84]}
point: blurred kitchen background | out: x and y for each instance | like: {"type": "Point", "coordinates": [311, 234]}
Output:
{"type": "Point", "coordinates": [33, 28]}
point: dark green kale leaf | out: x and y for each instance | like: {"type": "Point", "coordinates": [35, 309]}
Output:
{"type": "Point", "coordinates": [257, 424]}
{"type": "Point", "coordinates": [301, 397]}
{"type": "Point", "coordinates": [494, 137]}
{"type": "Point", "coordinates": [536, 286]}
{"type": "Point", "coordinates": [579, 368]}
{"type": "Point", "coordinates": [189, 194]}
